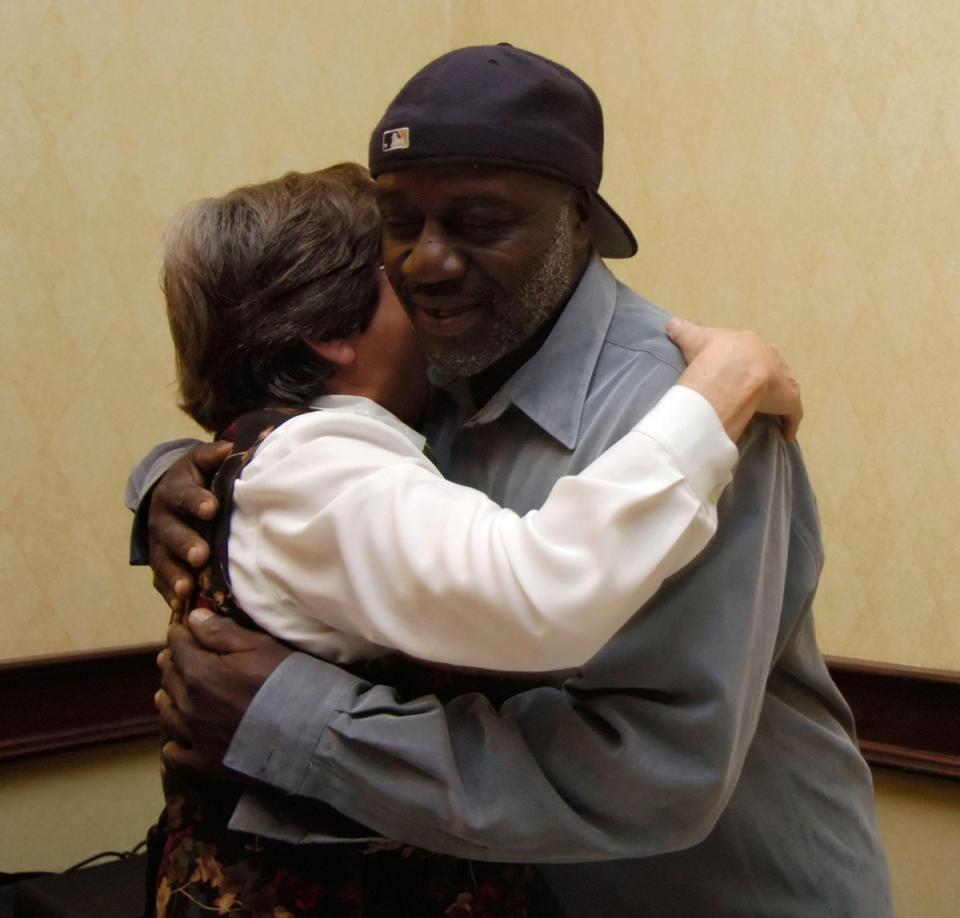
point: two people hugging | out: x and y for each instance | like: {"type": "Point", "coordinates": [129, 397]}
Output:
{"type": "Point", "coordinates": [478, 719]}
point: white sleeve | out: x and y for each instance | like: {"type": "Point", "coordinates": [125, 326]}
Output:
{"type": "Point", "coordinates": [341, 526]}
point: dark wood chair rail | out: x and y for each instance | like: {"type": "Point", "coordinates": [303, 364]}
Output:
{"type": "Point", "coordinates": [67, 702]}
{"type": "Point", "coordinates": [908, 718]}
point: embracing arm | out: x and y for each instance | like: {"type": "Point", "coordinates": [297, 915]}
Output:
{"type": "Point", "coordinates": [736, 372]}
{"type": "Point", "coordinates": [635, 755]}
{"type": "Point", "coordinates": [341, 523]}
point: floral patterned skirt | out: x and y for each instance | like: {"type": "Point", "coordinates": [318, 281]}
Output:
{"type": "Point", "coordinates": [241, 875]}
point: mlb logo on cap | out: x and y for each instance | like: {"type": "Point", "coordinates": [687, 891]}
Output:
{"type": "Point", "coordinates": [396, 139]}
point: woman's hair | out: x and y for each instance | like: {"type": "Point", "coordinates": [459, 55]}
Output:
{"type": "Point", "coordinates": [249, 276]}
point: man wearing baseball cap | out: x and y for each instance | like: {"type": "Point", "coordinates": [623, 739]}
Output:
{"type": "Point", "coordinates": [703, 763]}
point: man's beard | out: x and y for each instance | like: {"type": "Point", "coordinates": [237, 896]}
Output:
{"type": "Point", "coordinates": [513, 318]}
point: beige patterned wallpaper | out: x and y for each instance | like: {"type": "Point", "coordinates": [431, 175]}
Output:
{"type": "Point", "coordinates": [788, 164]}
{"type": "Point", "coordinates": [113, 115]}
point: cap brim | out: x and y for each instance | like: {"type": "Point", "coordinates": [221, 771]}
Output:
{"type": "Point", "coordinates": [611, 235]}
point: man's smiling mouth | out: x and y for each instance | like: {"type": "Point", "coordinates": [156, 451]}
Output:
{"type": "Point", "coordinates": [446, 321]}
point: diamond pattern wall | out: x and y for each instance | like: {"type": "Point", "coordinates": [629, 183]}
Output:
{"type": "Point", "coordinates": [113, 115]}
{"type": "Point", "coordinates": [794, 165]}
{"type": "Point", "coordinates": [790, 165]}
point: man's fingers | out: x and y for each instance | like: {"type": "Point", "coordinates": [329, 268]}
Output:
{"type": "Point", "coordinates": [172, 682]}
{"type": "Point", "coordinates": [220, 634]}
{"type": "Point", "coordinates": [178, 755]}
{"type": "Point", "coordinates": [181, 646]}
{"type": "Point", "coordinates": [173, 541]}
{"type": "Point", "coordinates": [208, 457]}
{"type": "Point", "coordinates": [179, 499]}
{"type": "Point", "coordinates": [171, 579]}
{"type": "Point", "coordinates": [167, 590]}
{"type": "Point", "coordinates": [183, 491]}
{"type": "Point", "coordinates": [171, 723]}
{"type": "Point", "coordinates": [211, 670]}
{"type": "Point", "coordinates": [187, 490]}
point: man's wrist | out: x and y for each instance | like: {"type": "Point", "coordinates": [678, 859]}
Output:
{"type": "Point", "coordinates": [277, 737]}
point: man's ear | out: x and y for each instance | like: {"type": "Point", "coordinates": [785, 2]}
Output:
{"type": "Point", "coordinates": [583, 224]}
{"type": "Point", "coordinates": [340, 352]}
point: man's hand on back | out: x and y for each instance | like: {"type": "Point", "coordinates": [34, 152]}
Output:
{"type": "Point", "coordinates": [211, 669]}
{"type": "Point", "coordinates": [179, 500]}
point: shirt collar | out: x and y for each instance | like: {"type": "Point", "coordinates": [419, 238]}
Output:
{"type": "Point", "coordinates": [551, 387]}
{"type": "Point", "coordinates": [358, 404]}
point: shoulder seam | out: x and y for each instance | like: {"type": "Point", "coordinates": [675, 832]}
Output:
{"type": "Point", "coordinates": [644, 350]}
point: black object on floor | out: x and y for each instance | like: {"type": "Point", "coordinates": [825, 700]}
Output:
{"type": "Point", "coordinates": [113, 890]}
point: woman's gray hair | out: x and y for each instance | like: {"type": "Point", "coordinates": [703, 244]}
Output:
{"type": "Point", "coordinates": [249, 276]}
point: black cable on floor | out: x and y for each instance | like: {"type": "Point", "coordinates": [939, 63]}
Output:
{"type": "Point", "coordinates": [118, 855]}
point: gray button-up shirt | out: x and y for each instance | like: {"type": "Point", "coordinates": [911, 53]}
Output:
{"type": "Point", "coordinates": [702, 764]}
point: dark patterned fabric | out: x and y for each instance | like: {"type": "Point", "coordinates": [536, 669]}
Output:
{"type": "Point", "coordinates": [205, 869]}
{"type": "Point", "coordinates": [246, 434]}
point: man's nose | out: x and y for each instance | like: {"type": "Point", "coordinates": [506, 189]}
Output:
{"type": "Point", "coordinates": [434, 258]}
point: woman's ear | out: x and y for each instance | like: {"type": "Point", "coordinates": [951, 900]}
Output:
{"type": "Point", "coordinates": [340, 352]}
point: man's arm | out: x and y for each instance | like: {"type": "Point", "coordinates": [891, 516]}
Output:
{"type": "Point", "coordinates": [635, 755]}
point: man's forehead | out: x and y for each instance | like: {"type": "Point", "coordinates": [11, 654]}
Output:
{"type": "Point", "coordinates": [465, 181]}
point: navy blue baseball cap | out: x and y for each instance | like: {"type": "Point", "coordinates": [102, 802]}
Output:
{"type": "Point", "coordinates": [497, 105]}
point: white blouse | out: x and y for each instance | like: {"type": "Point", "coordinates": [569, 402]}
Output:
{"type": "Point", "coordinates": [347, 542]}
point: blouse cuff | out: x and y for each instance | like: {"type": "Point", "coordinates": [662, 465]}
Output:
{"type": "Point", "coordinates": [684, 423]}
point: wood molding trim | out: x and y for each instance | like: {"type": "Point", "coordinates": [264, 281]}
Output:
{"type": "Point", "coordinates": [67, 702]}
{"type": "Point", "coordinates": [907, 718]}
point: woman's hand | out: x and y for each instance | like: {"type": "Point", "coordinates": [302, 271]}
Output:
{"type": "Point", "coordinates": [740, 374]}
